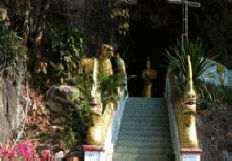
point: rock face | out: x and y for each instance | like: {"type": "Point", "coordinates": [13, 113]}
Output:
{"type": "Point", "coordinates": [58, 97]}
{"type": "Point", "coordinates": [46, 117]}
{"type": "Point", "coordinates": [8, 110]}
{"type": "Point", "coordinates": [215, 74]}
{"type": "Point", "coordinates": [212, 127]}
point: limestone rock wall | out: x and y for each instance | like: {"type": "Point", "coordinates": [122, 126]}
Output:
{"type": "Point", "coordinates": [45, 114]}
{"type": "Point", "coordinates": [8, 110]}
{"type": "Point", "coordinates": [46, 117]}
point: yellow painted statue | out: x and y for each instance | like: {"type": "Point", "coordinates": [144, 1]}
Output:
{"type": "Point", "coordinates": [188, 115]}
{"type": "Point", "coordinates": [148, 75]}
{"type": "Point", "coordinates": [100, 117]}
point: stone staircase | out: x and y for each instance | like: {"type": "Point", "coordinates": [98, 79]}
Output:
{"type": "Point", "coordinates": [144, 132]}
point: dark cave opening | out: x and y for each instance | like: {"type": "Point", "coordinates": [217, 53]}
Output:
{"type": "Point", "coordinates": [147, 41]}
{"type": "Point", "coordinates": [153, 29]}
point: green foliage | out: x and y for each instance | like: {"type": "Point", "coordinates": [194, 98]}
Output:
{"type": "Point", "coordinates": [209, 93]}
{"type": "Point", "coordinates": [12, 49]}
{"type": "Point", "coordinates": [120, 17]}
{"type": "Point", "coordinates": [64, 49]}
{"type": "Point", "coordinates": [108, 85]}
{"type": "Point", "coordinates": [178, 65]}
{"type": "Point", "coordinates": [77, 113]}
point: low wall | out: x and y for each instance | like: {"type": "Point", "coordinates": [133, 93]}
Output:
{"type": "Point", "coordinates": [173, 123]}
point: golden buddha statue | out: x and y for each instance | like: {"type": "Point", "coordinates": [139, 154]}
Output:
{"type": "Point", "coordinates": [148, 75]}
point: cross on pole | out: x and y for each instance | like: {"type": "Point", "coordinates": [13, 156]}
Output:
{"type": "Point", "coordinates": [185, 4]}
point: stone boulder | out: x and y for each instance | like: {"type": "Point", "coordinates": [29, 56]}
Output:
{"type": "Point", "coordinates": [58, 97]}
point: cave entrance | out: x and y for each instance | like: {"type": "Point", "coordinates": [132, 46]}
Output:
{"type": "Point", "coordinates": [147, 41]}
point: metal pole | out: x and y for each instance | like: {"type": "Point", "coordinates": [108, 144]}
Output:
{"type": "Point", "coordinates": [184, 36]}
{"type": "Point", "coordinates": [186, 19]}
{"type": "Point", "coordinates": [183, 25]}
{"type": "Point", "coordinates": [185, 5]}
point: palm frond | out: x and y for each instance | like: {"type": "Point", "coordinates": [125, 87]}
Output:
{"type": "Point", "coordinates": [178, 65]}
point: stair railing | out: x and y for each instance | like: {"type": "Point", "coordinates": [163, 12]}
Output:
{"type": "Point", "coordinates": [113, 131]}
{"type": "Point", "coordinates": [105, 152]}
{"type": "Point", "coordinates": [173, 123]}
{"type": "Point", "coordinates": [117, 117]}
{"type": "Point", "coordinates": [185, 146]}
{"type": "Point", "coordinates": [228, 78]}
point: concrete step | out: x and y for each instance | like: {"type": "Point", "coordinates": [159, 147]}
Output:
{"type": "Point", "coordinates": [146, 113]}
{"type": "Point", "coordinates": [144, 99]}
{"type": "Point", "coordinates": [138, 111]}
{"type": "Point", "coordinates": [144, 119]}
{"type": "Point", "coordinates": [153, 150]}
{"type": "Point", "coordinates": [145, 107]}
{"type": "Point", "coordinates": [148, 101]}
{"type": "Point", "coordinates": [132, 148]}
{"type": "Point", "coordinates": [158, 142]}
{"type": "Point", "coordinates": [144, 157]}
{"type": "Point", "coordinates": [144, 133]}
{"type": "Point", "coordinates": [143, 138]}
{"type": "Point", "coordinates": [144, 128]}
{"type": "Point", "coordinates": [157, 123]}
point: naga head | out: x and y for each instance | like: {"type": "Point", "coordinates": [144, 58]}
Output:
{"type": "Point", "coordinates": [3, 14]}
{"type": "Point", "coordinates": [190, 96]}
{"type": "Point", "coordinates": [106, 51]}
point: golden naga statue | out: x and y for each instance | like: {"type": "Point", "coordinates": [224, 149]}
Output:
{"type": "Point", "coordinates": [3, 14]}
{"type": "Point", "coordinates": [187, 119]}
{"type": "Point", "coordinates": [148, 75]}
{"type": "Point", "coordinates": [100, 117]}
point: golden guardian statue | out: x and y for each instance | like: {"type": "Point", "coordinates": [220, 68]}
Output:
{"type": "Point", "coordinates": [187, 119]}
{"type": "Point", "coordinates": [100, 117]}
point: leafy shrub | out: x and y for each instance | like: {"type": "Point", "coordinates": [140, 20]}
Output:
{"type": "Point", "coordinates": [77, 113]}
{"type": "Point", "coordinates": [108, 85]}
{"type": "Point", "coordinates": [178, 65]}
{"type": "Point", "coordinates": [64, 49]}
{"type": "Point", "coordinates": [13, 51]}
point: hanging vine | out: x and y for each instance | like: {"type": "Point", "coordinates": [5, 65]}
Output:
{"type": "Point", "coordinates": [13, 50]}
